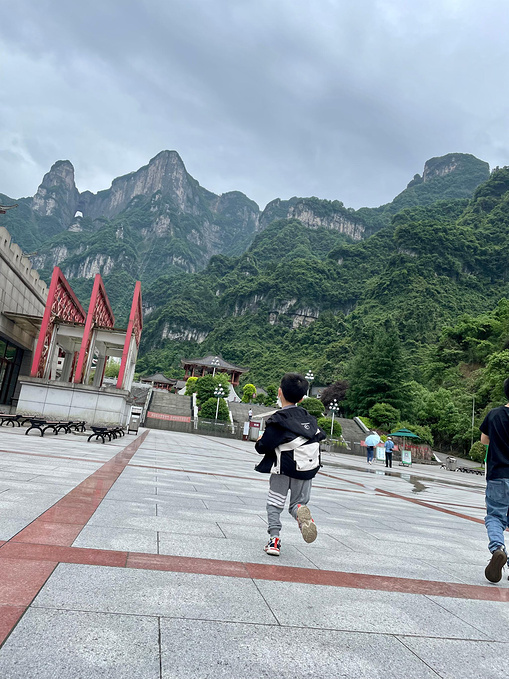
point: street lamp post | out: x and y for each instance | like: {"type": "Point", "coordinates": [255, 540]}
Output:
{"type": "Point", "coordinates": [473, 415]}
{"type": "Point", "coordinates": [218, 393]}
{"type": "Point", "coordinates": [310, 377]}
{"type": "Point", "coordinates": [215, 363]}
{"type": "Point", "coordinates": [333, 407]}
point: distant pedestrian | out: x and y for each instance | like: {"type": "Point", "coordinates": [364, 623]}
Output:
{"type": "Point", "coordinates": [371, 441]}
{"type": "Point", "coordinates": [389, 445]}
{"type": "Point", "coordinates": [250, 414]}
{"type": "Point", "coordinates": [291, 448]}
{"type": "Point", "coordinates": [495, 434]}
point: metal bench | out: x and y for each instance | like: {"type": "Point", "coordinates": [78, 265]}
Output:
{"type": "Point", "coordinates": [43, 425]}
{"type": "Point", "coordinates": [9, 419]}
{"type": "Point", "coordinates": [103, 432]}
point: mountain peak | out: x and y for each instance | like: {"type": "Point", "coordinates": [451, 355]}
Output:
{"type": "Point", "coordinates": [57, 195]}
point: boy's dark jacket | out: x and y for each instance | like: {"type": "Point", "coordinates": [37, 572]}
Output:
{"type": "Point", "coordinates": [283, 427]}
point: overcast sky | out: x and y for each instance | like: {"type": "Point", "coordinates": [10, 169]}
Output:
{"type": "Point", "coordinates": [341, 99]}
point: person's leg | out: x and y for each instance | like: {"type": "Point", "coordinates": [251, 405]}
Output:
{"type": "Point", "coordinates": [387, 458]}
{"type": "Point", "coordinates": [497, 505]}
{"type": "Point", "coordinates": [300, 492]}
{"type": "Point", "coordinates": [390, 459]}
{"type": "Point", "coordinates": [278, 490]}
{"type": "Point", "coordinates": [496, 521]}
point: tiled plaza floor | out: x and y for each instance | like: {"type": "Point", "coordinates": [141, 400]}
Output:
{"type": "Point", "coordinates": [143, 558]}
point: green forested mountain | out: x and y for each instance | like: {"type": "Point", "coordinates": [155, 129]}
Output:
{"type": "Point", "coordinates": [302, 298]}
{"type": "Point", "coordinates": [305, 284]}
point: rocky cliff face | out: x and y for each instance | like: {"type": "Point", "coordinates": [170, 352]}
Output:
{"type": "Point", "coordinates": [165, 173]}
{"type": "Point", "coordinates": [57, 196]}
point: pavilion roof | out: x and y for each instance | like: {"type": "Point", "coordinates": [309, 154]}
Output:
{"type": "Point", "coordinates": [207, 361]}
{"type": "Point", "coordinates": [158, 377]}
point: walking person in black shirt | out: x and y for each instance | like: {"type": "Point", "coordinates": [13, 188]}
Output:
{"type": "Point", "coordinates": [495, 434]}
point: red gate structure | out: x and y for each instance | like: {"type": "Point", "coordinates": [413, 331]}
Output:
{"type": "Point", "coordinates": [62, 305]}
{"type": "Point", "coordinates": [99, 315]}
{"type": "Point", "coordinates": [133, 336]}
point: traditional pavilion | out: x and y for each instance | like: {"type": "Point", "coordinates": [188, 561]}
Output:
{"type": "Point", "coordinates": [159, 381]}
{"type": "Point", "coordinates": [210, 365]}
{"type": "Point", "coordinates": [72, 349]}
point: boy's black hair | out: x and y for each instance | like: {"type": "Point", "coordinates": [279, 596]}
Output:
{"type": "Point", "coordinates": [294, 387]}
{"type": "Point", "coordinates": [506, 388]}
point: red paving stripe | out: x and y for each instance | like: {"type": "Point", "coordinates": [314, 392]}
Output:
{"type": "Point", "coordinates": [62, 523]}
{"type": "Point", "coordinates": [24, 568]}
{"type": "Point", "coordinates": [40, 554]}
{"type": "Point", "coordinates": [79, 555]}
{"type": "Point", "coordinates": [429, 506]}
{"type": "Point", "coordinates": [413, 500]}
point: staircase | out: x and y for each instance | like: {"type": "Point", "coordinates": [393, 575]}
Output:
{"type": "Point", "coordinates": [352, 433]}
{"type": "Point", "coordinates": [172, 405]}
{"type": "Point", "coordinates": [240, 411]}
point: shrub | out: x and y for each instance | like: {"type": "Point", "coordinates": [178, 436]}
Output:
{"type": "Point", "coordinates": [325, 423]}
{"type": "Point", "coordinates": [313, 405]}
{"type": "Point", "coordinates": [260, 399]}
{"type": "Point", "coordinates": [248, 393]}
{"type": "Point", "coordinates": [477, 452]}
{"type": "Point", "coordinates": [208, 410]}
{"type": "Point", "coordinates": [191, 385]}
{"type": "Point", "coordinates": [384, 416]}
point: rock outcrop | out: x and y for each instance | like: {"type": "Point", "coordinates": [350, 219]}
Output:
{"type": "Point", "coordinates": [57, 195]}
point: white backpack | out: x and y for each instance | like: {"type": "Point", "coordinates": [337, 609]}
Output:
{"type": "Point", "coordinates": [306, 455]}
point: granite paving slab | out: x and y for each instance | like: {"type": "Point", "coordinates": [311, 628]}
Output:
{"type": "Point", "coordinates": [363, 610]}
{"type": "Point", "coordinates": [215, 650]}
{"type": "Point", "coordinates": [50, 644]}
{"type": "Point", "coordinates": [167, 594]}
{"type": "Point", "coordinates": [459, 659]}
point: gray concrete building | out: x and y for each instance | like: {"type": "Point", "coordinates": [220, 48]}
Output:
{"type": "Point", "coordinates": [22, 300]}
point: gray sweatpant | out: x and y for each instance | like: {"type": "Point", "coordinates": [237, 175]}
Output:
{"type": "Point", "coordinates": [279, 485]}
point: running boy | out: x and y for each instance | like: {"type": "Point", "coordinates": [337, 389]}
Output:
{"type": "Point", "coordinates": [291, 449]}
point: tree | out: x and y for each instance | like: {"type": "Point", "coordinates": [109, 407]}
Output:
{"type": "Point", "coordinates": [191, 385]}
{"type": "Point", "coordinates": [248, 393]}
{"type": "Point", "coordinates": [206, 385]}
{"type": "Point", "coordinates": [208, 410]}
{"type": "Point", "coordinates": [271, 397]}
{"type": "Point", "coordinates": [325, 423]}
{"type": "Point", "coordinates": [313, 405]}
{"type": "Point", "coordinates": [334, 391]}
{"type": "Point", "coordinates": [384, 416]}
{"type": "Point", "coordinates": [378, 373]}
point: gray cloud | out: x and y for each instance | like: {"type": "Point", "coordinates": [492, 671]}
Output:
{"type": "Point", "coordinates": [274, 97]}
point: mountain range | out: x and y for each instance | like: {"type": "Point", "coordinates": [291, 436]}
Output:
{"type": "Point", "coordinates": [217, 270]}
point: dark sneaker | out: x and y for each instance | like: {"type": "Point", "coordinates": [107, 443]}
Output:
{"type": "Point", "coordinates": [273, 546]}
{"type": "Point", "coordinates": [306, 524]}
{"type": "Point", "coordinates": [493, 571]}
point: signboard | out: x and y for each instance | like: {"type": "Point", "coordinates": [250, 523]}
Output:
{"type": "Point", "coordinates": [254, 425]}
{"type": "Point", "coordinates": [380, 453]}
{"type": "Point", "coordinates": [406, 457]}
{"type": "Point", "coordinates": [246, 429]}
{"type": "Point", "coordinates": [169, 418]}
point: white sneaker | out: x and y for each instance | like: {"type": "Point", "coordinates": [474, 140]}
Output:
{"type": "Point", "coordinates": [306, 524]}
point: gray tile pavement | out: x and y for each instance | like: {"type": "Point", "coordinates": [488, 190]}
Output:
{"type": "Point", "coordinates": [99, 620]}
